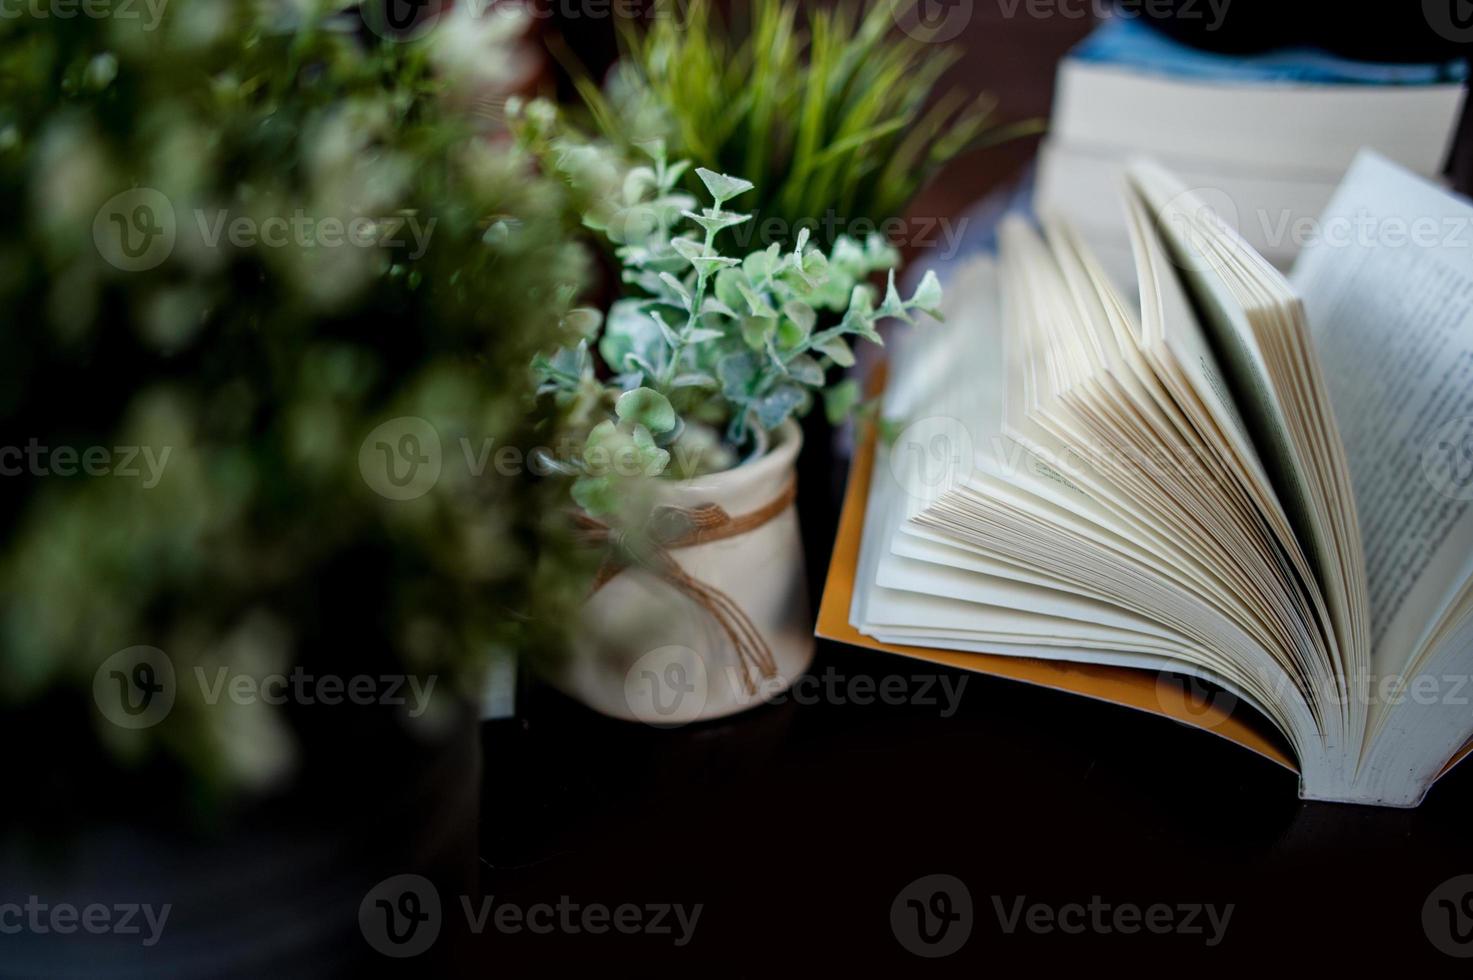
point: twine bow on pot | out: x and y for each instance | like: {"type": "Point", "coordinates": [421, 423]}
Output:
{"type": "Point", "coordinates": [675, 527]}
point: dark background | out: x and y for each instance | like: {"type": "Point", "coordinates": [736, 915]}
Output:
{"type": "Point", "coordinates": [796, 825]}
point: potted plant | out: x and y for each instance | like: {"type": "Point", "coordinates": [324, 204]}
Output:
{"type": "Point", "coordinates": [838, 113]}
{"type": "Point", "coordinates": [685, 472]}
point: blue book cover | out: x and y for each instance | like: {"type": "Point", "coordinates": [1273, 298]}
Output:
{"type": "Point", "coordinates": [1130, 43]}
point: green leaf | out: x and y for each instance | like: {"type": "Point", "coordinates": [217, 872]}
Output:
{"type": "Point", "coordinates": [637, 183]}
{"type": "Point", "coordinates": [646, 407]}
{"type": "Point", "coordinates": [566, 368]}
{"type": "Point", "coordinates": [694, 379]}
{"type": "Point", "coordinates": [775, 259]}
{"type": "Point", "coordinates": [673, 173]}
{"type": "Point", "coordinates": [801, 314]}
{"type": "Point", "coordinates": [654, 149]}
{"type": "Point", "coordinates": [839, 401]}
{"type": "Point", "coordinates": [880, 253]}
{"type": "Point", "coordinates": [596, 495]}
{"type": "Point", "coordinates": [667, 332]}
{"type": "Point", "coordinates": [677, 288]}
{"type": "Point", "coordinates": [774, 356]}
{"type": "Point", "coordinates": [838, 349]}
{"type": "Point", "coordinates": [928, 295]}
{"type": "Point", "coordinates": [585, 320]}
{"type": "Point", "coordinates": [775, 408]}
{"type": "Point", "coordinates": [715, 307]}
{"type": "Point", "coordinates": [689, 248]}
{"type": "Point", "coordinates": [701, 335]}
{"type": "Point", "coordinates": [722, 187]}
{"type": "Point", "coordinates": [631, 331]}
{"type": "Point", "coordinates": [605, 436]}
{"type": "Point", "coordinates": [790, 335]}
{"type": "Point", "coordinates": [756, 330]}
{"type": "Point", "coordinates": [805, 370]}
{"type": "Point", "coordinates": [716, 222]}
{"type": "Point", "coordinates": [709, 265]}
{"type": "Point", "coordinates": [757, 304]}
{"type": "Point", "coordinates": [758, 266]}
{"type": "Point", "coordinates": [864, 328]}
{"type": "Point", "coordinates": [728, 288]}
{"type": "Point", "coordinates": [813, 267]}
{"type": "Point", "coordinates": [848, 257]}
{"type": "Point", "coordinates": [737, 372]}
{"type": "Point", "coordinates": [894, 306]}
{"type": "Point", "coordinates": [652, 458]}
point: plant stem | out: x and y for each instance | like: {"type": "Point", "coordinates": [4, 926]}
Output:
{"type": "Point", "coordinates": [698, 299]}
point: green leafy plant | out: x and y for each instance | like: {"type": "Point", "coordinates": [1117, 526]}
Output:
{"type": "Point", "coordinates": [827, 112]}
{"type": "Point", "coordinates": [712, 352]}
{"type": "Point", "coordinates": [262, 371]}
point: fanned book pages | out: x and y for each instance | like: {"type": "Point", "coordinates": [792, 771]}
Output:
{"type": "Point", "coordinates": [1256, 484]}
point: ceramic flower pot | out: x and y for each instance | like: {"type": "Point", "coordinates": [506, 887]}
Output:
{"type": "Point", "coordinates": [720, 622]}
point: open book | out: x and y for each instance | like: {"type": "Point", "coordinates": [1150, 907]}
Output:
{"type": "Point", "coordinates": [1212, 476]}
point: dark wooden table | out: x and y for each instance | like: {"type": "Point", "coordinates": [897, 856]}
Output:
{"type": "Point", "coordinates": [796, 826]}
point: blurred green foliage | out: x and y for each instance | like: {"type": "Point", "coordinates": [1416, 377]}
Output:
{"type": "Point", "coordinates": [262, 368]}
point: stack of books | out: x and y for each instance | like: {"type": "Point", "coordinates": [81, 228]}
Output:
{"type": "Point", "coordinates": [1264, 140]}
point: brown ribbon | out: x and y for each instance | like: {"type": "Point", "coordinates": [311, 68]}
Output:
{"type": "Point", "coordinates": [702, 525]}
